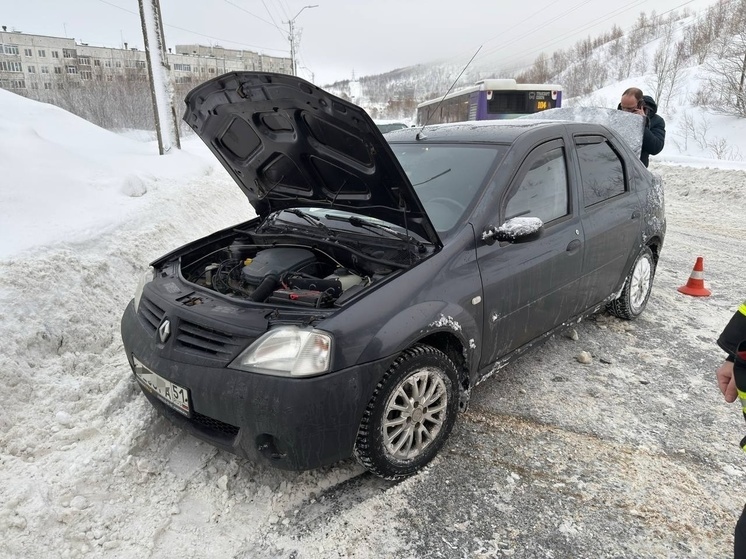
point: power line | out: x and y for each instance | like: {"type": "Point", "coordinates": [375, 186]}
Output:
{"type": "Point", "coordinates": [282, 32]}
{"type": "Point", "coordinates": [272, 23]}
{"type": "Point", "coordinates": [590, 25]}
{"type": "Point", "coordinates": [593, 23]}
{"type": "Point", "coordinates": [196, 32]}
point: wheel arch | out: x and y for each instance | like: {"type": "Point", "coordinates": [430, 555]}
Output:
{"type": "Point", "coordinates": [446, 327]}
{"type": "Point", "coordinates": [655, 244]}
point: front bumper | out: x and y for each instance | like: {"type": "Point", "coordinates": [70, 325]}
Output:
{"type": "Point", "coordinates": [292, 423]}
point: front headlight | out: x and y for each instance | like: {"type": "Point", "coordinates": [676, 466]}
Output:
{"type": "Point", "coordinates": [145, 277]}
{"type": "Point", "coordinates": [287, 351]}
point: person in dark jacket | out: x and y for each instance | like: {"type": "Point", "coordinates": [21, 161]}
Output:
{"type": "Point", "coordinates": [654, 134]}
{"type": "Point", "coordinates": [731, 377]}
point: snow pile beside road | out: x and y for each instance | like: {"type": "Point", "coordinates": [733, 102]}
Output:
{"type": "Point", "coordinates": [75, 178]}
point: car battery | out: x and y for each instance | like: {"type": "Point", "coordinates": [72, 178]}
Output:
{"type": "Point", "coordinates": [301, 297]}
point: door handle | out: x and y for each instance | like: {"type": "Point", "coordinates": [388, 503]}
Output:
{"type": "Point", "coordinates": [636, 214]}
{"type": "Point", "coordinates": [573, 246]}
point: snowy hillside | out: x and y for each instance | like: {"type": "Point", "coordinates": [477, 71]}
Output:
{"type": "Point", "coordinates": [659, 53]}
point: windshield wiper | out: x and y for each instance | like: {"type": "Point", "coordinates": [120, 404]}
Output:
{"type": "Point", "coordinates": [433, 177]}
{"type": "Point", "coordinates": [313, 220]}
{"type": "Point", "coordinates": [359, 222]}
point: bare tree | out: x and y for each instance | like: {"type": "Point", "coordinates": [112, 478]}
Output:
{"type": "Point", "coordinates": [700, 36]}
{"type": "Point", "coordinates": [727, 66]}
{"type": "Point", "coordinates": [667, 65]}
{"type": "Point", "coordinates": [538, 73]}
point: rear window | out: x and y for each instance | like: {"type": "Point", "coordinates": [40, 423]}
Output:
{"type": "Point", "coordinates": [389, 126]}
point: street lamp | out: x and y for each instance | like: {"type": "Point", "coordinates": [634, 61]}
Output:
{"type": "Point", "coordinates": [292, 38]}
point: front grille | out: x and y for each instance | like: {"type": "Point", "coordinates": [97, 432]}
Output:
{"type": "Point", "coordinates": [214, 424]}
{"type": "Point", "coordinates": [151, 312]}
{"type": "Point", "coordinates": [206, 340]}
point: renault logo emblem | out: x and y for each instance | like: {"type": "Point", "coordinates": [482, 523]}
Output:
{"type": "Point", "coordinates": [164, 330]}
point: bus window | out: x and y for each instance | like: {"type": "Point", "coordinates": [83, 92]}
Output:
{"type": "Point", "coordinates": [490, 99]}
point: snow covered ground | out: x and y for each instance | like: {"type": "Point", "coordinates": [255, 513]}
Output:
{"type": "Point", "coordinates": [632, 455]}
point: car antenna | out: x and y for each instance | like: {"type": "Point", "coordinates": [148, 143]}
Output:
{"type": "Point", "coordinates": [420, 135]}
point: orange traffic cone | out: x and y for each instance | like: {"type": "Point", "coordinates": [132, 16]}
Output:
{"type": "Point", "coordinates": [695, 286]}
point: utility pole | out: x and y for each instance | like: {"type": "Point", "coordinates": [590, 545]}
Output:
{"type": "Point", "coordinates": [166, 125]}
{"type": "Point", "coordinates": [291, 37]}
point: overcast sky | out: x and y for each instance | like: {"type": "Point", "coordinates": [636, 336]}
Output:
{"type": "Point", "coordinates": [340, 37]}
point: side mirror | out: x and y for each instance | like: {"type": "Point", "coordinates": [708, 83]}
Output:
{"type": "Point", "coordinates": [515, 230]}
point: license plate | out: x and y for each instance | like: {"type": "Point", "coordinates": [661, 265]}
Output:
{"type": "Point", "coordinates": [168, 392]}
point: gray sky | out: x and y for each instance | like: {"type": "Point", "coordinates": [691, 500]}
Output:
{"type": "Point", "coordinates": [340, 37]}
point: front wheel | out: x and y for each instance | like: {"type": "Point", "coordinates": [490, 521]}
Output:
{"type": "Point", "coordinates": [636, 292]}
{"type": "Point", "coordinates": [410, 415]}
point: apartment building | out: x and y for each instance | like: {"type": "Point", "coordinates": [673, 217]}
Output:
{"type": "Point", "coordinates": [33, 64]}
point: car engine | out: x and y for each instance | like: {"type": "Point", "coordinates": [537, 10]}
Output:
{"type": "Point", "coordinates": [292, 275]}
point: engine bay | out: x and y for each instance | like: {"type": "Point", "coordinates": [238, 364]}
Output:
{"type": "Point", "coordinates": [287, 275]}
{"type": "Point", "coordinates": [305, 275]}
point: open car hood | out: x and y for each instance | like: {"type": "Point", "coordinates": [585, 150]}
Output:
{"type": "Point", "coordinates": [288, 143]}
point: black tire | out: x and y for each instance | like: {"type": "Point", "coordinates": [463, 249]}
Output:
{"type": "Point", "coordinates": [636, 292]}
{"type": "Point", "coordinates": [420, 379]}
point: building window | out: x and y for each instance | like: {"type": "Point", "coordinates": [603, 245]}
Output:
{"type": "Point", "coordinates": [17, 84]}
{"type": "Point", "coordinates": [60, 85]}
{"type": "Point", "coordinates": [119, 64]}
{"type": "Point", "coordinates": [45, 69]}
{"type": "Point", "coordinates": [57, 70]}
{"type": "Point", "coordinates": [42, 52]}
{"type": "Point", "coordinates": [72, 69]}
{"type": "Point", "coordinates": [68, 53]}
{"type": "Point", "coordinates": [34, 86]}
{"type": "Point", "coordinates": [9, 49]}
{"type": "Point", "coordinates": [109, 78]}
{"type": "Point", "coordinates": [86, 75]}
{"type": "Point", "coordinates": [47, 85]}
{"type": "Point", "coordinates": [183, 67]}
{"type": "Point", "coordinates": [55, 54]}
{"type": "Point", "coordinates": [32, 69]}
{"type": "Point", "coordinates": [140, 64]}
{"type": "Point", "coordinates": [107, 63]}
{"type": "Point", "coordinates": [85, 60]}
{"type": "Point", "coordinates": [97, 62]}
{"type": "Point", "coordinates": [28, 52]}
{"type": "Point", "coordinates": [10, 66]}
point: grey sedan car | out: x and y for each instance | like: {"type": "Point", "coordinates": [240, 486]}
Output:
{"type": "Point", "coordinates": [383, 278]}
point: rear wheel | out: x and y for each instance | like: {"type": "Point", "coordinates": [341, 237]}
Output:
{"type": "Point", "coordinates": [410, 415]}
{"type": "Point", "coordinates": [636, 292]}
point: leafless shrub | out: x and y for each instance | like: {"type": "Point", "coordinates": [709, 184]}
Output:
{"type": "Point", "coordinates": [720, 149]}
{"type": "Point", "coordinates": [699, 98]}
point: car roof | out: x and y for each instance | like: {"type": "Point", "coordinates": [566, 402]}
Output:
{"type": "Point", "coordinates": [497, 131]}
{"type": "Point", "coordinates": [488, 131]}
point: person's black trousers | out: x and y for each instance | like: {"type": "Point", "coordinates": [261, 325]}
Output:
{"type": "Point", "coordinates": [739, 542]}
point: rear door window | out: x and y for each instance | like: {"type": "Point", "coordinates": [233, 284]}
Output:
{"type": "Point", "coordinates": [601, 169]}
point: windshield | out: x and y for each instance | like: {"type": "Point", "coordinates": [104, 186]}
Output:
{"type": "Point", "coordinates": [447, 178]}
